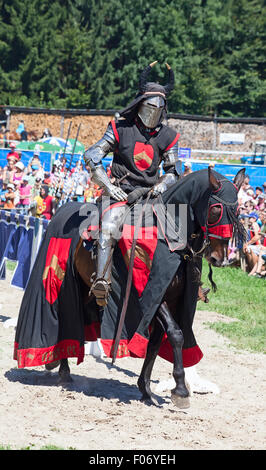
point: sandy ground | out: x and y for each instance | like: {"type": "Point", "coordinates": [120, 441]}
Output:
{"type": "Point", "coordinates": [101, 409]}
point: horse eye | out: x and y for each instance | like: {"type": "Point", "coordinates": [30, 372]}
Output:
{"type": "Point", "coordinates": [214, 214]}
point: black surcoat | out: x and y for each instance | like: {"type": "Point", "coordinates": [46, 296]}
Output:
{"type": "Point", "coordinates": [139, 154]}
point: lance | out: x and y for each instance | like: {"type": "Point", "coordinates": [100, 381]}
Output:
{"type": "Point", "coordinates": [68, 133]}
{"type": "Point", "coordinates": [74, 146]}
{"type": "Point", "coordinates": [57, 189]}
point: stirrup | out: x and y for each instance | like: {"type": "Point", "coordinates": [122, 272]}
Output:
{"type": "Point", "coordinates": [101, 289]}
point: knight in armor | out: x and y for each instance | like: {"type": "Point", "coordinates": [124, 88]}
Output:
{"type": "Point", "coordinates": [140, 142]}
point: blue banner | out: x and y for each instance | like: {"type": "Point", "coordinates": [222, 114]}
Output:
{"type": "Point", "coordinates": [257, 173]}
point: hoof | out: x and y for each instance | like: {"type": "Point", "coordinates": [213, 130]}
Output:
{"type": "Point", "coordinates": [52, 365]}
{"type": "Point", "coordinates": [149, 401]}
{"type": "Point", "coordinates": [180, 402]}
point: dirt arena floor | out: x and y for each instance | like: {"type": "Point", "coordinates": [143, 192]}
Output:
{"type": "Point", "coordinates": [101, 409]}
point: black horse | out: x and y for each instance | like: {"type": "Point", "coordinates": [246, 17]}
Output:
{"type": "Point", "coordinates": [211, 202]}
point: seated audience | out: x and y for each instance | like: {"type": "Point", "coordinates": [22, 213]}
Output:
{"type": "Point", "coordinates": [9, 197]}
{"type": "Point", "coordinates": [19, 172]}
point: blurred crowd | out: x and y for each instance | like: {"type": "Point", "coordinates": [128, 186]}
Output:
{"type": "Point", "coordinates": [252, 213]}
{"type": "Point", "coordinates": [34, 191]}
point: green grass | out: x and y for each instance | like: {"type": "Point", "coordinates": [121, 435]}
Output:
{"type": "Point", "coordinates": [32, 447]}
{"type": "Point", "coordinates": [240, 297]}
{"type": "Point", "coordinates": [11, 265]}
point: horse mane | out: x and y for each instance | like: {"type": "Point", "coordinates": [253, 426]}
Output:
{"type": "Point", "coordinates": [239, 231]}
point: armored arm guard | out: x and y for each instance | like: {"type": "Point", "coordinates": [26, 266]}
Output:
{"type": "Point", "coordinates": [93, 158]}
{"type": "Point", "coordinates": [172, 167]}
{"type": "Point", "coordinates": [94, 155]}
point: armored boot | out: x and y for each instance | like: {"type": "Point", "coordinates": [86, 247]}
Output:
{"type": "Point", "coordinates": [102, 283]}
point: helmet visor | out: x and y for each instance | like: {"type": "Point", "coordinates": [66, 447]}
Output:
{"type": "Point", "coordinates": [150, 111]}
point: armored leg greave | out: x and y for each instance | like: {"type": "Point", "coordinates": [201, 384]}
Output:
{"type": "Point", "coordinates": [111, 232]}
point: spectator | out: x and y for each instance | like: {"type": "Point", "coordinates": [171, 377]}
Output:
{"type": "Point", "coordinates": [10, 197]}
{"type": "Point", "coordinates": [36, 163]}
{"type": "Point", "coordinates": [17, 193]}
{"type": "Point", "coordinates": [19, 171]}
{"type": "Point", "coordinates": [13, 154]}
{"type": "Point", "coordinates": [260, 202]}
{"type": "Point", "coordinates": [35, 192]}
{"type": "Point", "coordinates": [187, 168]}
{"type": "Point", "coordinates": [20, 127]}
{"type": "Point", "coordinates": [251, 248]}
{"type": "Point", "coordinates": [242, 194]}
{"type": "Point", "coordinates": [47, 203]}
{"type": "Point", "coordinates": [89, 192]}
{"type": "Point", "coordinates": [47, 178]}
{"type": "Point", "coordinates": [258, 191]}
{"type": "Point", "coordinates": [9, 171]}
{"type": "Point", "coordinates": [24, 194]}
{"type": "Point", "coordinates": [33, 174]}
{"type": "Point", "coordinates": [250, 205]}
{"type": "Point", "coordinates": [22, 131]}
{"type": "Point", "coordinates": [46, 133]}
{"type": "Point", "coordinates": [257, 269]}
{"type": "Point", "coordinates": [2, 194]}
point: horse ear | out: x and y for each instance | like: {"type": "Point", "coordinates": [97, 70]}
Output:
{"type": "Point", "coordinates": [214, 183]}
{"type": "Point", "coordinates": [239, 178]}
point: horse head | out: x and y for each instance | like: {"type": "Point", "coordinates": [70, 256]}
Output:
{"type": "Point", "coordinates": [222, 220]}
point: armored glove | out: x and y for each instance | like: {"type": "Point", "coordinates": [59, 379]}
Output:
{"type": "Point", "coordinates": [163, 184]}
{"type": "Point", "coordinates": [100, 177]}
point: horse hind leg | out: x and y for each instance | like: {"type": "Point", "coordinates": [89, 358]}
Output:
{"type": "Point", "coordinates": [156, 336]}
{"type": "Point", "coordinates": [180, 394]}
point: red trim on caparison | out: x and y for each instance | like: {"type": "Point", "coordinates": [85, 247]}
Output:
{"type": "Point", "coordinates": [115, 130]}
{"type": "Point", "coordinates": [32, 357]}
{"type": "Point", "coordinates": [191, 356]}
{"type": "Point", "coordinates": [173, 143]}
{"type": "Point", "coordinates": [136, 347]}
{"type": "Point", "coordinates": [92, 331]}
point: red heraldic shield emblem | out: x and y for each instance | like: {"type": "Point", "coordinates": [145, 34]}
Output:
{"type": "Point", "coordinates": [143, 155]}
{"type": "Point", "coordinates": [55, 267]}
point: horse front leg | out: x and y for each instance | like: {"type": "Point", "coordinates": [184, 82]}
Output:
{"type": "Point", "coordinates": [155, 340]}
{"type": "Point", "coordinates": [64, 372]}
{"type": "Point", "coordinates": [180, 393]}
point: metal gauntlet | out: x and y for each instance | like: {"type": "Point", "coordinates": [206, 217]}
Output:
{"type": "Point", "coordinates": [164, 183]}
{"type": "Point", "coordinates": [100, 177]}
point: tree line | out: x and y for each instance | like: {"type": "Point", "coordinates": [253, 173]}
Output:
{"type": "Point", "coordinates": [89, 53]}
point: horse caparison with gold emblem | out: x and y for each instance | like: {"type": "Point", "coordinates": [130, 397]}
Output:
{"type": "Point", "coordinates": [58, 313]}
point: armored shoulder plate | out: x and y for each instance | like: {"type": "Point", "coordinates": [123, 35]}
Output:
{"type": "Point", "coordinates": [94, 155]}
{"type": "Point", "coordinates": [170, 157]}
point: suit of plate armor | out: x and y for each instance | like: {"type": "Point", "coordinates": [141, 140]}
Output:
{"type": "Point", "coordinates": [140, 142]}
